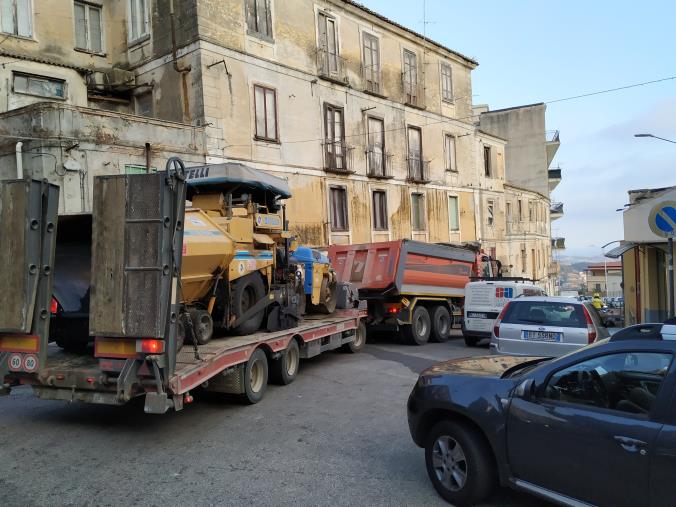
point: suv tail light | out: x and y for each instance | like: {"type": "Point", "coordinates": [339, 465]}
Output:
{"type": "Point", "coordinates": [496, 325]}
{"type": "Point", "coordinates": [591, 330]}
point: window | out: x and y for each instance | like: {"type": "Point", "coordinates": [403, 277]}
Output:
{"type": "Point", "coordinates": [524, 260]}
{"type": "Point", "coordinates": [334, 144]}
{"type": "Point", "coordinates": [490, 217]}
{"type": "Point", "coordinates": [418, 212]}
{"type": "Point", "coordinates": [487, 161]}
{"type": "Point", "coordinates": [624, 381]}
{"type": "Point", "coordinates": [415, 163]}
{"type": "Point", "coordinates": [88, 28]}
{"type": "Point", "coordinates": [16, 17]}
{"type": "Point", "coordinates": [259, 18]}
{"type": "Point", "coordinates": [329, 61]}
{"type": "Point", "coordinates": [39, 85]}
{"type": "Point", "coordinates": [372, 63]}
{"type": "Point", "coordinates": [446, 83]}
{"type": "Point", "coordinates": [410, 77]}
{"type": "Point", "coordinates": [509, 212]}
{"type": "Point", "coordinates": [598, 287]}
{"type": "Point", "coordinates": [453, 217]}
{"type": "Point", "coordinates": [144, 104]}
{"type": "Point", "coordinates": [139, 20]}
{"type": "Point", "coordinates": [520, 206]}
{"type": "Point", "coordinates": [380, 210]}
{"type": "Point", "coordinates": [449, 152]}
{"type": "Point", "coordinates": [531, 211]}
{"type": "Point", "coordinates": [265, 105]}
{"type": "Point", "coordinates": [375, 151]}
{"type": "Point", "coordinates": [339, 220]}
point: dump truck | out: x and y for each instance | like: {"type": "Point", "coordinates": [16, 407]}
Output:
{"type": "Point", "coordinates": [413, 288]}
{"type": "Point", "coordinates": [145, 283]}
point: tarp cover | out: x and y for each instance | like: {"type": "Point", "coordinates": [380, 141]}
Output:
{"type": "Point", "coordinates": [231, 174]}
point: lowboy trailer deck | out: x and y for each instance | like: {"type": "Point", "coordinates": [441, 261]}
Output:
{"type": "Point", "coordinates": [136, 249]}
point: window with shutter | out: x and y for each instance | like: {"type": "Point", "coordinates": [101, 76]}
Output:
{"type": "Point", "coordinates": [338, 203]}
{"type": "Point", "coordinates": [265, 110]}
{"type": "Point", "coordinates": [16, 17]}
{"type": "Point", "coordinates": [410, 77]}
{"type": "Point", "coordinates": [449, 152]}
{"type": "Point", "coordinates": [418, 212]}
{"type": "Point", "coordinates": [446, 83]}
{"type": "Point", "coordinates": [453, 216]}
{"type": "Point", "coordinates": [88, 28]}
{"type": "Point", "coordinates": [259, 18]}
{"type": "Point", "coordinates": [371, 63]}
{"type": "Point", "coordinates": [139, 20]}
{"type": "Point", "coordinates": [379, 206]}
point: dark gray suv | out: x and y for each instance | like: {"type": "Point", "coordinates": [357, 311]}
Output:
{"type": "Point", "coordinates": [597, 426]}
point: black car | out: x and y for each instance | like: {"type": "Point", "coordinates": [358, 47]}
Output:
{"type": "Point", "coordinates": [597, 426]}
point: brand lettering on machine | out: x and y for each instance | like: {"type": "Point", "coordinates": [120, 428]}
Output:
{"type": "Point", "coordinates": [199, 172]}
{"type": "Point", "coordinates": [504, 292]}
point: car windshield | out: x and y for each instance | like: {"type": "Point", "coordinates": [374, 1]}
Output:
{"type": "Point", "coordinates": [545, 313]}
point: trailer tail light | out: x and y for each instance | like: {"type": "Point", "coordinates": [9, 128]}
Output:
{"type": "Point", "coordinates": [591, 330]}
{"type": "Point", "coordinates": [54, 306]}
{"type": "Point", "coordinates": [392, 309]}
{"type": "Point", "coordinates": [149, 346]}
{"type": "Point", "coordinates": [496, 325]}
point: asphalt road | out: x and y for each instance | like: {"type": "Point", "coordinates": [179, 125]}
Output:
{"type": "Point", "coordinates": [336, 436]}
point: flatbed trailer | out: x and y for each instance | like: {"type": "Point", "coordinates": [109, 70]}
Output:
{"type": "Point", "coordinates": [135, 296]}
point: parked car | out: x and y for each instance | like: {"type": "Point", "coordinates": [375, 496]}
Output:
{"type": "Point", "coordinates": [545, 326]}
{"type": "Point", "coordinates": [483, 302]}
{"type": "Point", "coordinates": [593, 427]}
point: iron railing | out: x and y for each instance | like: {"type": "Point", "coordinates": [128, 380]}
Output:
{"type": "Point", "coordinates": [411, 92]}
{"type": "Point", "coordinates": [418, 170]}
{"type": "Point", "coordinates": [337, 157]}
{"type": "Point", "coordinates": [552, 136]}
{"type": "Point", "coordinates": [378, 163]}
{"type": "Point", "coordinates": [371, 76]}
{"type": "Point", "coordinates": [330, 65]}
{"type": "Point", "coordinates": [555, 174]}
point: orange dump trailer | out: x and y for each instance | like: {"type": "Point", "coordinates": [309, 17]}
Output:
{"type": "Point", "coordinates": [416, 289]}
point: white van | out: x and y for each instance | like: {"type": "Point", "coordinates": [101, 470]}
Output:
{"type": "Point", "coordinates": [484, 301]}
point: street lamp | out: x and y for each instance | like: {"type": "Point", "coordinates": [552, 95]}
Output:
{"type": "Point", "coordinates": [655, 137]}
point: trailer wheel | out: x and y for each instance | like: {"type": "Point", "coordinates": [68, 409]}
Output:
{"type": "Point", "coordinates": [285, 369]}
{"type": "Point", "coordinates": [255, 377]}
{"type": "Point", "coordinates": [359, 339]}
{"type": "Point", "coordinates": [418, 332]}
{"type": "Point", "coordinates": [441, 324]}
{"type": "Point", "coordinates": [246, 292]}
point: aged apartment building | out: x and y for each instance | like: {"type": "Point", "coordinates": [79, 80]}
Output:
{"type": "Point", "coordinates": [371, 123]}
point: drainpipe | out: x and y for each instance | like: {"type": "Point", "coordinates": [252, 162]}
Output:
{"type": "Point", "coordinates": [178, 68]}
{"type": "Point", "coordinates": [19, 161]}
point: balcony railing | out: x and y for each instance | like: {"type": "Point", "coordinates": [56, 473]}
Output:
{"type": "Point", "coordinates": [378, 164]}
{"type": "Point", "coordinates": [411, 92]}
{"type": "Point", "coordinates": [556, 208]}
{"type": "Point", "coordinates": [371, 77]}
{"type": "Point", "coordinates": [337, 157]}
{"type": "Point", "coordinates": [418, 170]}
{"type": "Point", "coordinates": [559, 243]}
{"type": "Point", "coordinates": [555, 174]}
{"type": "Point", "coordinates": [552, 136]}
{"type": "Point", "coordinates": [330, 65]}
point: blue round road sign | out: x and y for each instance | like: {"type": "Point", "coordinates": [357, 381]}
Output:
{"type": "Point", "coordinates": [663, 219]}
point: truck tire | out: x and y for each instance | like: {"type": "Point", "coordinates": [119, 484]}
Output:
{"type": "Point", "coordinates": [255, 377]}
{"type": "Point", "coordinates": [418, 332]}
{"type": "Point", "coordinates": [459, 463]}
{"type": "Point", "coordinates": [441, 324]}
{"type": "Point", "coordinates": [246, 292]}
{"type": "Point", "coordinates": [359, 340]}
{"type": "Point", "coordinates": [284, 370]}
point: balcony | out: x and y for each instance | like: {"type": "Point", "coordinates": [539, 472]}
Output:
{"type": "Point", "coordinates": [555, 210]}
{"type": "Point", "coordinates": [337, 157]}
{"type": "Point", "coordinates": [554, 268]}
{"type": "Point", "coordinates": [331, 66]}
{"type": "Point", "coordinates": [552, 144]}
{"type": "Point", "coordinates": [554, 178]}
{"type": "Point", "coordinates": [412, 92]}
{"type": "Point", "coordinates": [558, 243]}
{"type": "Point", "coordinates": [418, 170]}
{"type": "Point", "coordinates": [378, 164]}
{"type": "Point", "coordinates": [371, 79]}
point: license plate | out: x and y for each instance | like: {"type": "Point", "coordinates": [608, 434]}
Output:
{"type": "Point", "coordinates": [541, 336]}
{"type": "Point", "coordinates": [475, 315]}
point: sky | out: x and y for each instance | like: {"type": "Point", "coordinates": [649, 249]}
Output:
{"type": "Point", "coordinates": [535, 51]}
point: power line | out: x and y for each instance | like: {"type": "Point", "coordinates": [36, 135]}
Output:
{"type": "Point", "coordinates": [611, 90]}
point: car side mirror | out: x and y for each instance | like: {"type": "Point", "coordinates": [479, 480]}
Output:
{"type": "Point", "coordinates": [525, 389]}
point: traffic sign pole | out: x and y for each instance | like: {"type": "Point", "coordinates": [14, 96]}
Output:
{"type": "Point", "coordinates": [670, 254]}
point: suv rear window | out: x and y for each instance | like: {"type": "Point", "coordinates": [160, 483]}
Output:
{"type": "Point", "coordinates": [545, 313]}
